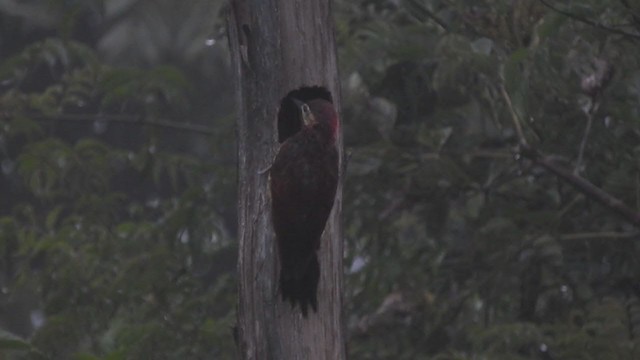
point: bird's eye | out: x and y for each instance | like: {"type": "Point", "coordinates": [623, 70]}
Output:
{"type": "Point", "coordinates": [305, 109]}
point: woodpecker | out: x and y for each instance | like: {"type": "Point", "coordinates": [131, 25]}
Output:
{"type": "Point", "coordinates": [303, 181]}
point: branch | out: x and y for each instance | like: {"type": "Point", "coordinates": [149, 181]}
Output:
{"type": "Point", "coordinates": [133, 119]}
{"type": "Point", "coordinates": [590, 22]}
{"type": "Point", "coordinates": [593, 85]}
{"type": "Point", "coordinates": [576, 181]}
{"type": "Point", "coordinates": [599, 235]}
{"type": "Point", "coordinates": [416, 6]}
{"type": "Point", "coordinates": [514, 116]}
{"type": "Point", "coordinates": [634, 14]}
{"type": "Point", "coordinates": [583, 142]}
{"type": "Point", "coordinates": [582, 185]}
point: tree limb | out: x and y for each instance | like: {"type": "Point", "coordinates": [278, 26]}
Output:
{"type": "Point", "coordinates": [599, 235]}
{"type": "Point", "coordinates": [514, 116]}
{"type": "Point", "coordinates": [635, 15]}
{"type": "Point", "coordinates": [590, 22]}
{"type": "Point", "coordinates": [133, 119]}
{"type": "Point", "coordinates": [582, 185]}
{"type": "Point", "coordinates": [583, 142]}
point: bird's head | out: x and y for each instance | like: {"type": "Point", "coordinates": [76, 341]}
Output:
{"type": "Point", "coordinates": [307, 116]}
{"type": "Point", "coordinates": [319, 113]}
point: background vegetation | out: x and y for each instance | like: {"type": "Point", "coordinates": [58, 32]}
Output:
{"type": "Point", "coordinates": [117, 189]}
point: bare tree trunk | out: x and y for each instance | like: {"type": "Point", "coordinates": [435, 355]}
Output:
{"type": "Point", "coordinates": [278, 46]}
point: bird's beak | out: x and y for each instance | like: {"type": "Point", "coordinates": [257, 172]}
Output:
{"type": "Point", "coordinates": [307, 116]}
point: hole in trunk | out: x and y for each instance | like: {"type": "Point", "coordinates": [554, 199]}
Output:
{"type": "Point", "coordinates": [289, 119]}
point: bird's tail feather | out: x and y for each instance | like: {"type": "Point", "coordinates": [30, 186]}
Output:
{"type": "Point", "coordinates": [302, 288]}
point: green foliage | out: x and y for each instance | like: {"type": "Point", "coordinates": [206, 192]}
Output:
{"type": "Point", "coordinates": [486, 255]}
{"type": "Point", "coordinates": [113, 241]}
{"type": "Point", "coordinates": [114, 227]}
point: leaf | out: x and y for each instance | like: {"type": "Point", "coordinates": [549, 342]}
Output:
{"type": "Point", "coordinates": [9, 341]}
{"type": "Point", "coordinates": [364, 161]}
{"type": "Point", "coordinates": [512, 72]}
{"type": "Point", "coordinates": [22, 125]}
{"type": "Point", "coordinates": [53, 217]}
{"type": "Point", "coordinates": [548, 249]}
{"type": "Point", "coordinates": [482, 46]}
{"type": "Point", "coordinates": [383, 113]}
{"type": "Point", "coordinates": [475, 205]}
{"type": "Point", "coordinates": [498, 225]}
{"type": "Point", "coordinates": [550, 25]}
{"type": "Point", "coordinates": [86, 357]}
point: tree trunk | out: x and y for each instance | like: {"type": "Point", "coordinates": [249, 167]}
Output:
{"type": "Point", "coordinates": [278, 46]}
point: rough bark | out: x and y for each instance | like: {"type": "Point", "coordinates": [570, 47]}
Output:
{"type": "Point", "coordinates": [277, 46]}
